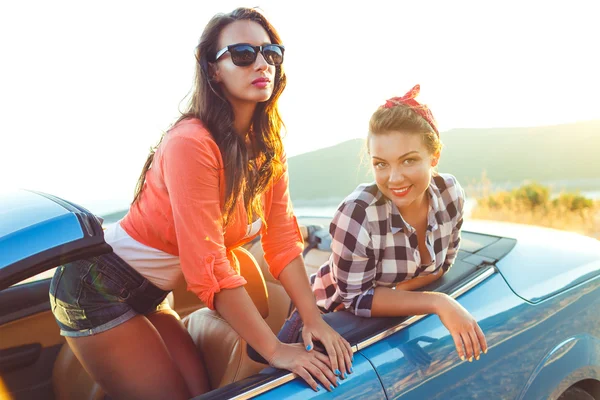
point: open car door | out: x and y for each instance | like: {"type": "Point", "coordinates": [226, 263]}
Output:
{"type": "Point", "coordinates": [38, 232]}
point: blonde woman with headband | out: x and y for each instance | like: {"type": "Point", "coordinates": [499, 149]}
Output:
{"type": "Point", "coordinates": [398, 234]}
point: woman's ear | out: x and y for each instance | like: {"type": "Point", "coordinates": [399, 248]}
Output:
{"type": "Point", "coordinates": [435, 159]}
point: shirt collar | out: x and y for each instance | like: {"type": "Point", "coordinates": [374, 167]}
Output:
{"type": "Point", "coordinates": [398, 222]}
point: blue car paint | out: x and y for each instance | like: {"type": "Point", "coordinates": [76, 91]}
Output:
{"type": "Point", "coordinates": [536, 271]}
{"type": "Point", "coordinates": [32, 224]}
{"type": "Point", "coordinates": [363, 383]}
{"type": "Point", "coordinates": [580, 353]}
{"type": "Point", "coordinates": [545, 261]}
{"type": "Point", "coordinates": [421, 362]}
{"type": "Point", "coordinates": [22, 209]}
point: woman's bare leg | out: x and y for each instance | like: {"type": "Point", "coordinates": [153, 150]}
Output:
{"type": "Point", "coordinates": [182, 350]}
{"type": "Point", "coordinates": [131, 361]}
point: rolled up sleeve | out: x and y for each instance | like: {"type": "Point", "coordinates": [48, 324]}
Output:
{"type": "Point", "coordinates": [353, 261]}
{"type": "Point", "coordinates": [281, 238]}
{"type": "Point", "coordinates": [191, 171]}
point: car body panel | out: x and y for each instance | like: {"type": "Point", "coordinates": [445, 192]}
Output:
{"type": "Point", "coordinates": [536, 271]}
{"type": "Point", "coordinates": [32, 224]}
{"type": "Point", "coordinates": [545, 261]}
{"type": "Point", "coordinates": [572, 359]}
{"type": "Point", "coordinates": [421, 362]}
{"type": "Point", "coordinates": [40, 231]}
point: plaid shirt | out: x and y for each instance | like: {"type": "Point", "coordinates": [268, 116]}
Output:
{"type": "Point", "coordinates": [373, 246]}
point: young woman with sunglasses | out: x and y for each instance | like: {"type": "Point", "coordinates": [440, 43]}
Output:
{"type": "Point", "coordinates": [398, 234]}
{"type": "Point", "coordinates": [217, 179]}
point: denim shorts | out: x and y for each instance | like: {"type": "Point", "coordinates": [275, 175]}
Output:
{"type": "Point", "coordinates": [291, 329]}
{"type": "Point", "coordinates": [93, 295]}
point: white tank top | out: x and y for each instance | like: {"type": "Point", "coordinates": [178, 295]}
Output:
{"type": "Point", "coordinates": [160, 268]}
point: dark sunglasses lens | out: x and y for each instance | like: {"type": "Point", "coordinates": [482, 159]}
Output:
{"type": "Point", "coordinates": [243, 55]}
{"type": "Point", "coordinates": [273, 55]}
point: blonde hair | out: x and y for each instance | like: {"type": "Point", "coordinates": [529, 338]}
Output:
{"type": "Point", "coordinates": [404, 118]}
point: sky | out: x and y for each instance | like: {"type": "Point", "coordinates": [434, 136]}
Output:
{"type": "Point", "coordinates": [86, 88]}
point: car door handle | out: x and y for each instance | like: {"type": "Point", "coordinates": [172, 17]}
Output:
{"type": "Point", "coordinates": [19, 357]}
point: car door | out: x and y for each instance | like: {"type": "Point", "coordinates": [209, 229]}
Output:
{"type": "Point", "coordinates": [420, 361]}
{"type": "Point", "coordinates": [29, 341]}
{"type": "Point", "coordinates": [536, 351]}
{"type": "Point", "coordinates": [37, 233]}
{"type": "Point", "coordinates": [363, 383]}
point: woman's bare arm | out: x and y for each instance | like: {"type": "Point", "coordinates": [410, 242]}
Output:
{"type": "Point", "coordinates": [235, 305]}
{"type": "Point", "coordinates": [468, 338]}
{"type": "Point", "coordinates": [294, 280]}
{"type": "Point", "coordinates": [388, 302]}
{"type": "Point", "coordinates": [238, 310]}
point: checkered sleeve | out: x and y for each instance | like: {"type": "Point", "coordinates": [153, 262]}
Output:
{"type": "Point", "coordinates": [353, 263]}
{"type": "Point", "coordinates": [458, 199]}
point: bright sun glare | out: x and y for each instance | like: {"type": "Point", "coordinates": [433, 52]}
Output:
{"type": "Point", "coordinates": [87, 88]}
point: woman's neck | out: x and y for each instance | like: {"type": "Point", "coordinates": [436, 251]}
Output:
{"type": "Point", "coordinates": [416, 210]}
{"type": "Point", "coordinates": [243, 113]}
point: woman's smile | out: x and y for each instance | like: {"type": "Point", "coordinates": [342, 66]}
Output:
{"type": "Point", "coordinates": [401, 192]}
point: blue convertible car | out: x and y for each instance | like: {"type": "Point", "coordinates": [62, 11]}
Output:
{"type": "Point", "coordinates": [534, 292]}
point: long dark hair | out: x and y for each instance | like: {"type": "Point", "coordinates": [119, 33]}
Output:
{"type": "Point", "coordinates": [208, 103]}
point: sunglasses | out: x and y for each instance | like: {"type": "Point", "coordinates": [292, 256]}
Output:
{"type": "Point", "coordinates": [244, 54]}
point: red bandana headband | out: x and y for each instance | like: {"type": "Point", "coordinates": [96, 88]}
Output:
{"type": "Point", "coordinates": [409, 100]}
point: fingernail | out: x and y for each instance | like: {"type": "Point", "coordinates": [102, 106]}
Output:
{"type": "Point", "coordinates": [351, 370]}
{"type": "Point", "coordinates": [331, 387]}
{"type": "Point", "coordinates": [462, 358]}
{"type": "Point", "coordinates": [344, 375]}
{"type": "Point", "coordinates": [318, 389]}
{"type": "Point", "coordinates": [337, 372]}
{"type": "Point", "coordinates": [352, 358]}
{"type": "Point", "coordinates": [471, 359]}
{"type": "Point", "coordinates": [337, 382]}
{"type": "Point", "coordinates": [309, 347]}
{"type": "Point", "coordinates": [477, 358]}
{"type": "Point", "coordinates": [485, 351]}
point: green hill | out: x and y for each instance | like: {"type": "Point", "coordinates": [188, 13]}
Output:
{"type": "Point", "coordinates": [508, 156]}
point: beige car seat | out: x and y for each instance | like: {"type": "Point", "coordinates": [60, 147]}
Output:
{"type": "Point", "coordinates": [224, 351]}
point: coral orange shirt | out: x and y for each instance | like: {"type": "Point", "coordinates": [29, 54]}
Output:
{"type": "Point", "coordinates": [179, 212]}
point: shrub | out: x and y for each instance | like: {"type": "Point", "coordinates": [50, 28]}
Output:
{"type": "Point", "coordinates": [532, 204]}
{"type": "Point", "coordinates": [532, 195]}
{"type": "Point", "coordinates": [572, 202]}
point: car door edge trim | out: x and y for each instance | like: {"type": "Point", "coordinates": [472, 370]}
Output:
{"type": "Point", "coordinates": [476, 280]}
{"type": "Point", "coordinates": [266, 387]}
